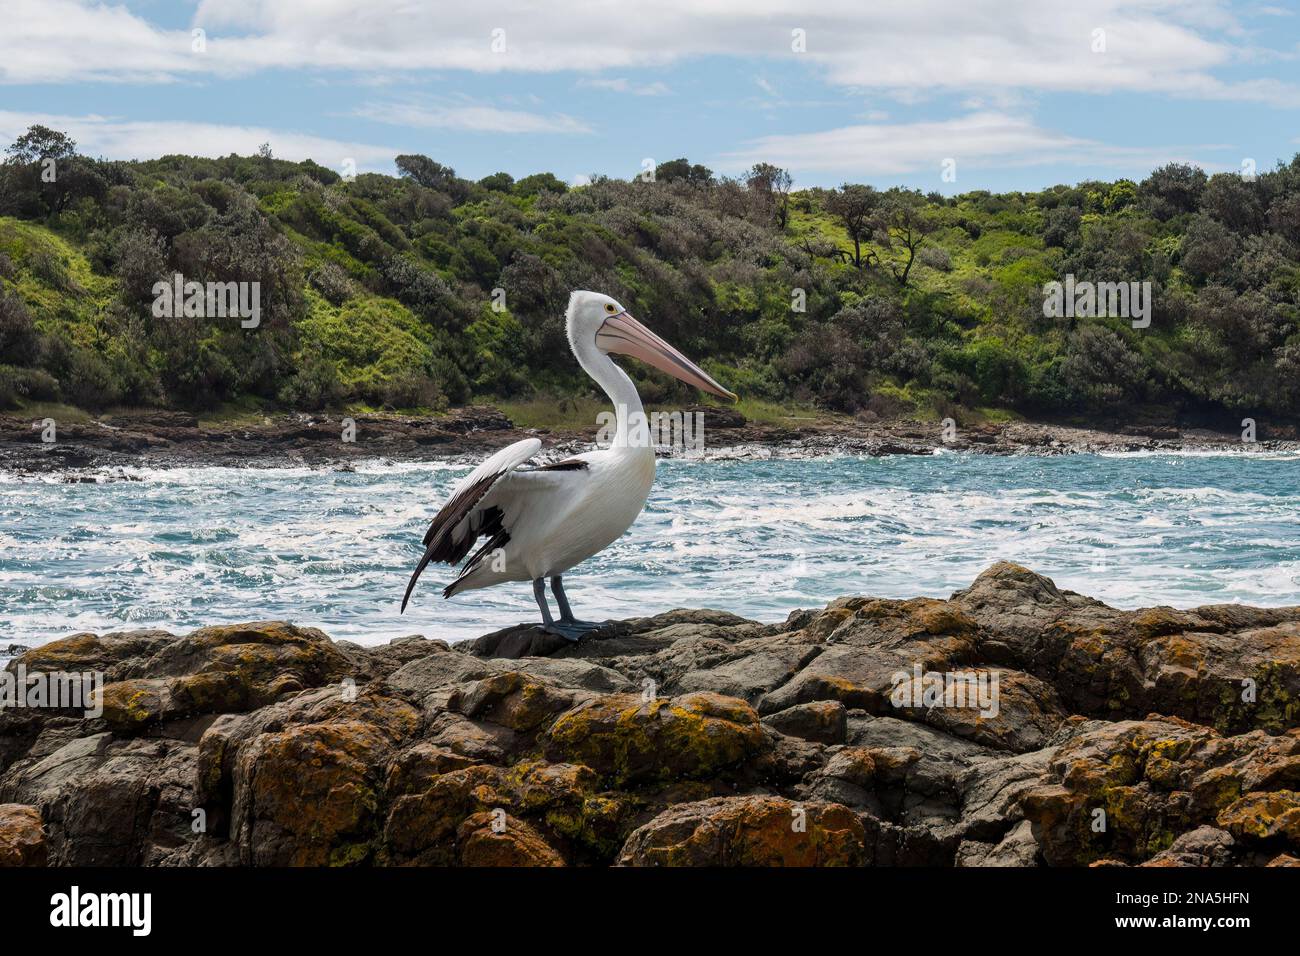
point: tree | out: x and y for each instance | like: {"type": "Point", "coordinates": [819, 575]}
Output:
{"type": "Point", "coordinates": [906, 223]}
{"type": "Point", "coordinates": [775, 182]}
{"type": "Point", "coordinates": [43, 174]}
{"type": "Point", "coordinates": [1209, 248]}
{"type": "Point", "coordinates": [498, 182]}
{"type": "Point", "coordinates": [540, 183]}
{"type": "Point", "coordinates": [430, 174]}
{"type": "Point", "coordinates": [681, 170]}
{"type": "Point", "coordinates": [855, 207]}
{"type": "Point", "coordinates": [1235, 201]}
{"type": "Point", "coordinates": [1061, 226]}
{"type": "Point", "coordinates": [1172, 189]}
{"type": "Point", "coordinates": [41, 142]}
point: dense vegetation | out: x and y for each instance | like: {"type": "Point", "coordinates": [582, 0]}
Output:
{"type": "Point", "coordinates": [379, 291]}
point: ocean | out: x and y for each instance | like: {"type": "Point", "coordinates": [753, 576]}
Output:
{"type": "Point", "coordinates": [180, 548]}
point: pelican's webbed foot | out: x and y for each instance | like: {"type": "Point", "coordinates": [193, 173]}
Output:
{"type": "Point", "coordinates": [568, 627]}
{"type": "Point", "coordinates": [569, 630]}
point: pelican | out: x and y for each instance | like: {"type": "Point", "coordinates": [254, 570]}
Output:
{"type": "Point", "coordinates": [542, 520]}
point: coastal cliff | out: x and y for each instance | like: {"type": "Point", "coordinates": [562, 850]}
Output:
{"type": "Point", "coordinates": [1091, 735]}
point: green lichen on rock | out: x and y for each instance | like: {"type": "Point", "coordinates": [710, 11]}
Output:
{"type": "Point", "coordinates": [629, 741]}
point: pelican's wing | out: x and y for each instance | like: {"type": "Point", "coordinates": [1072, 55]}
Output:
{"type": "Point", "coordinates": [469, 512]}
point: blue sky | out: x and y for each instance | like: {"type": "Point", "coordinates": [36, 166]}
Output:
{"type": "Point", "coordinates": [1019, 94]}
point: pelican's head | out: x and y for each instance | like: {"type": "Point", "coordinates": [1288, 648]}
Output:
{"type": "Point", "coordinates": [602, 322]}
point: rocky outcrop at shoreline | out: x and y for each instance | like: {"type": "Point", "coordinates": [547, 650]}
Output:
{"type": "Point", "coordinates": [1091, 735]}
{"type": "Point", "coordinates": [168, 438]}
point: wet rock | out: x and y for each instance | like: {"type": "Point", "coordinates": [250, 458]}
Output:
{"type": "Point", "coordinates": [520, 640]}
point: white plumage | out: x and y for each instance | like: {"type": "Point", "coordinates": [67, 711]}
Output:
{"type": "Point", "coordinates": [540, 521]}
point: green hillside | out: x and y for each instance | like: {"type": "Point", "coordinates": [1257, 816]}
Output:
{"type": "Point", "coordinates": [379, 291]}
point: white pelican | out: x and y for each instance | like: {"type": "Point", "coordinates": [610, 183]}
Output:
{"type": "Point", "coordinates": [541, 521]}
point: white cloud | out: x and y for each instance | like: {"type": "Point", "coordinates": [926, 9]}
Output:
{"type": "Point", "coordinates": [129, 139]}
{"type": "Point", "coordinates": [50, 41]}
{"type": "Point", "coordinates": [621, 85]}
{"type": "Point", "coordinates": [906, 47]}
{"type": "Point", "coordinates": [975, 140]}
{"type": "Point", "coordinates": [471, 117]}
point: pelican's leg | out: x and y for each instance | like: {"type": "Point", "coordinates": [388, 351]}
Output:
{"type": "Point", "coordinates": [557, 588]}
{"type": "Point", "coordinates": [539, 592]}
{"type": "Point", "coordinates": [569, 630]}
{"type": "Point", "coordinates": [566, 614]}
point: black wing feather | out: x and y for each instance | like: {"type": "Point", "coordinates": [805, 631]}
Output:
{"type": "Point", "coordinates": [440, 543]}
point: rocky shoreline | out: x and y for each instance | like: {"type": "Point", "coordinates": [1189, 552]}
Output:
{"type": "Point", "coordinates": [166, 438]}
{"type": "Point", "coordinates": [1155, 737]}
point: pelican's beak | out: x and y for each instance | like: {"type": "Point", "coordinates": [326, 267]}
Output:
{"type": "Point", "coordinates": [623, 334]}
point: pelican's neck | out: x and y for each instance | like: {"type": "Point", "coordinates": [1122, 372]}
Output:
{"type": "Point", "coordinates": [630, 427]}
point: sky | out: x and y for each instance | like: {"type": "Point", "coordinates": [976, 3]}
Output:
{"type": "Point", "coordinates": [945, 95]}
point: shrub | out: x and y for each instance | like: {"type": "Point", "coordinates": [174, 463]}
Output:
{"type": "Point", "coordinates": [20, 343]}
{"type": "Point", "coordinates": [313, 386]}
{"type": "Point", "coordinates": [139, 264]}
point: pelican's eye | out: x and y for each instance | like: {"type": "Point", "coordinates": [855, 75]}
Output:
{"type": "Point", "coordinates": [610, 308]}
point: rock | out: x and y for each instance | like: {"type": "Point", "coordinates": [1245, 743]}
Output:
{"type": "Point", "coordinates": [300, 783]}
{"type": "Point", "coordinates": [1006, 709]}
{"type": "Point", "coordinates": [521, 640]}
{"type": "Point", "coordinates": [747, 671]}
{"type": "Point", "coordinates": [1264, 816]}
{"type": "Point", "coordinates": [22, 842]}
{"type": "Point", "coordinates": [152, 676]}
{"type": "Point", "coordinates": [822, 721]}
{"type": "Point", "coordinates": [1230, 667]}
{"type": "Point", "coordinates": [423, 827]}
{"type": "Point", "coordinates": [749, 831]}
{"type": "Point", "coordinates": [1129, 789]}
{"type": "Point", "coordinates": [629, 741]}
{"type": "Point", "coordinates": [1204, 846]}
{"type": "Point", "coordinates": [496, 839]}
{"type": "Point", "coordinates": [1015, 724]}
{"type": "Point", "coordinates": [1017, 848]}
{"type": "Point", "coordinates": [511, 699]}
{"type": "Point", "coordinates": [91, 652]}
{"type": "Point", "coordinates": [107, 801]}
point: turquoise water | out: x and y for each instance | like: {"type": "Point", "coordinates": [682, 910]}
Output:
{"type": "Point", "coordinates": [186, 547]}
